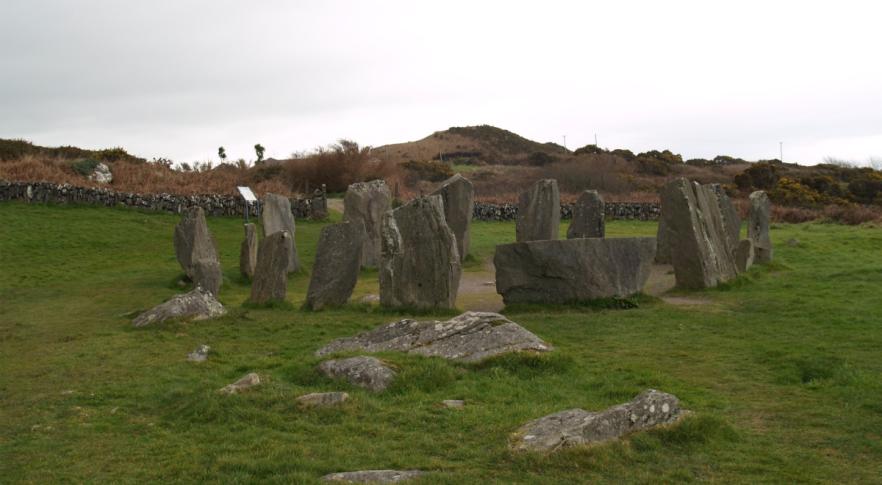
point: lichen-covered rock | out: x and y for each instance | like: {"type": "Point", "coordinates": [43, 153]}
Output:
{"type": "Point", "coordinates": [744, 255]}
{"type": "Point", "coordinates": [248, 252]}
{"type": "Point", "coordinates": [420, 265]}
{"type": "Point", "coordinates": [572, 270]}
{"type": "Point", "coordinates": [243, 384]}
{"type": "Point", "coordinates": [275, 217]}
{"type": "Point", "coordinates": [458, 196]}
{"type": "Point", "coordinates": [337, 264]}
{"type": "Point", "coordinates": [101, 174]}
{"type": "Point", "coordinates": [271, 274]}
{"type": "Point", "coordinates": [539, 212]}
{"type": "Point", "coordinates": [588, 216]}
{"type": "Point", "coordinates": [731, 221]}
{"type": "Point", "coordinates": [322, 399]}
{"type": "Point", "coordinates": [196, 250]}
{"type": "Point", "coordinates": [198, 304]}
{"type": "Point", "coordinates": [469, 337]}
{"type": "Point", "coordinates": [362, 371]}
{"type": "Point", "coordinates": [579, 427]}
{"type": "Point", "coordinates": [368, 202]}
{"type": "Point", "coordinates": [758, 226]}
{"type": "Point", "coordinates": [373, 476]}
{"type": "Point", "coordinates": [200, 354]}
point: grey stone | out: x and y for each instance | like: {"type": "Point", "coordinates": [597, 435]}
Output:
{"type": "Point", "coordinates": [458, 196]}
{"type": "Point", "coordinates": [469, 337]}
{"type": "Point", "coordinates": [362, 371]}
{"type": "Point", "coordinates": [731, 221]}
{"type": "Point", "coordinates": [744, 255]}
{"type": "Point", "coordinates": [420, 266]}
{"type": "Point", "coordinates": [572, 270]}
{"type": "Point", "coordinates": [539, 212]}
{"type": "Point", "coordinates": [322, 399]}
{"type": "Point", "coordinates": [196, 250]}
{"type": "Point", "coordinates": [368, 202]}
{"type": "Point", "coordinates": [336, 267]}
{"type": "Point", "coordinates": [276, 216]}
{"type": "Point", "coordinates": [758, 226]}
{"type": "Point", "coordinates": [588, 216]}
{"type": "Point", "coordinates": [243, 384]}
{"type": "Point", "coordinates": [200, 354]}
{"type": "Point", "coordinates": [373, 476]}
{"type": "Point", "coordinates": [579, 427]}
{"type": "Point", "coordinates": [101, 174]}
{"type": "Point", "coordinates": [663, 241]}
{"type": "Point", "coordinates": [453, 403]}
{"type": "Point", "coordinates": [248, 252]}
{"type": "Point", "coordinates": [198, 304]}
{"type": "Point", "coordinates": [369, 298]}
{"type": "Point", "coordinates": [319, 205]}
{"type": "Point", "coordinates": [271, 274]}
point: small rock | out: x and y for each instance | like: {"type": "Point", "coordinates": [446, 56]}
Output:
{"type": "Point", "coordinates": [373, 476]}
{"type": "Point", "coordinates": [362, 371]}
{"type": "Point", "coordinates": [200, 354]}
{"type": "Point", "coordinates": [242, 384]}
{"type": "Point", "coordinates": [453, 403]}
{"type": "Point", "coordinates": [322, 399]}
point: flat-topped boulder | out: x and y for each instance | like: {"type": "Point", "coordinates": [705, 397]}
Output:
{"type": "Point", "coordinates": [368, 202]}
{"type": "Point", "coordinates": [198, 304]}
{"type": "Point", "coordinates": [469, 337]}
{"type": "Point", "coordinates": [420, 265]}
{"type": "Point", "coordinates": [572, 270]}
{"type": "Point", "coordinates": [196, 250]}
{"type": "Point", "coordinates": [271, 274]}
{"type": "Point", "coordinates": [576, 427]}
{"type": "Point", "coordinates": [539, 212]}
{"type": "Point", "coordinates": [276, 216]}
{"type": "Point", "coordinates": [588, 216]}
{"type": "Point", "coordinates": [758, 226]}
{"type": "Point", "coordinates": [458, 196]}
{"type": "Point", "coordinates": [362, 371]}
{"type": "Point", "coordinates": [337, 264]}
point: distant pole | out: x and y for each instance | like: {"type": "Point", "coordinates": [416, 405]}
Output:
{"type": "Point", "coordinates": [565, 141]}
{"type": "Point", "coordinates": [595, 139]}
{"type": "Point", "coordinates": [781, 151]}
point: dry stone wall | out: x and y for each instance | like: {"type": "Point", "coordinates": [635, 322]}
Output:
{"type": "Point", "coordinates": [643, 211]}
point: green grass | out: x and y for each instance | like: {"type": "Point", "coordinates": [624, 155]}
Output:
{"type": "Point", "coordinates": [782, 370]}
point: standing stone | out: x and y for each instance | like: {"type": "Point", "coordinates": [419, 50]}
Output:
{"type": "Point", "coordinates": [248, 252]}
{"type": "Point", "coordinates": [696, 233]}
{"type": "Point", "coordinates": [318, 205]}
{"type": "Point", "coordinates": [588, 216]}
{"type": "Point", "coordinates": [196, 250]}
{"type": "Point", "coordinates": [758, 226]}
{"type": "Point", "coordinates": [731, 221]}
{"type": "Point", "coordinates": [271, 274]}
{"type": "Point", "coordinates": [336, 267]}
{"type": "Point", "coordinates": [276, 216]}
{"type": "Point", "coordinates": [420, 265]}
{"type": "Point", "coordinates": [663, 243]}
{"type": "Point", "coordinates": [539, 212]}
{"type": "Point", "coordinates": [458, 195]}
{"type": "Point", "coordinates": [744, 255]}
{"type": "Point", "coordinates": [367, 202]}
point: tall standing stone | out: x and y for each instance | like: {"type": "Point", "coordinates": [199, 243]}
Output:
{"type": "Point", "coordinates": [663, 243]}
{"type": "Point", "coordinates": [196, 250]}
{"type": "Point", "coordinates": [248, 251]}
{"type": "Point", "coordinates": [336, 267]}
{"type": "Point", "coordinates": [420, 266]}
{"type": "Point", "coordinates": [367, 202]}
{"type": "Point", "coordinates": [271, 274]}
{"type": "Point", "coordinates": [731, 221]}
{"type": "Point", "coordinates": [758, 226]}
{"type": "Point", "coordinates": [588, 216]}
{"type": "Point", "coordinates": [458, 196]}
{"type": "Point", "coordinates": [276, 216]}
{"type": "Point", "coordinates": [539, 212]}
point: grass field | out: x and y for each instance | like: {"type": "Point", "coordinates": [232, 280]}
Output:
{"type": "Point", "coordinates": [782, 370]}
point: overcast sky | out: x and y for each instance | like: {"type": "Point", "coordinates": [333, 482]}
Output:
{"type": "Point", "coordinates": [179, 78]}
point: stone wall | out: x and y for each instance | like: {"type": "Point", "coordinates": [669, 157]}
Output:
{"type": "Point", "coordinates": [644, 211]}
{"type": "Point", "coordinates": [215, 205]}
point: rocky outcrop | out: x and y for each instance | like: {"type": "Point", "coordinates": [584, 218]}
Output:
{"type": "Point", "coordinates": [248, 252]}
{"type": "Point", "coordinates": [198, 304]}
{"type": "Point", "coordinates": [277, 217]}
{"type": "Point", "coordinates": [373, 476]}
{"type": "Point", "coordinates": [458, 196]}
{"type": "Point", "coordinates": [758, 226]}
{"type": "Point", "coordinates": [420, 265]}
{"type": "Point", "coordinates": [579, 427]}
{"type": "Point", "coordinates": [196, 250]}
{"type": "Point", "coordinates": [588, 216]}
{"type": "Point", "coordinates": [362, 371]}
{"type": "Point", "coordinates": [336, 267]}
{"type": "Point", "coordinates": [539, 212]}
{"type": "Point", "coordinates": [572, 270]}
{"type": "Point", "coordinates": [470, 337]}
{"type": "Point", "coordinates": [271, 273]}
{"type": "Point", "coordinates": [367, 203]}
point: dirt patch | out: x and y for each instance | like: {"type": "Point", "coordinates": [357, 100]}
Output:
{"type": "Point", "coordinates": [477, 291]}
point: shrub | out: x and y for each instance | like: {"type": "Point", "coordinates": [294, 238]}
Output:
{"type": "Point", "coordinates": [84, 167]}
{"type": "Point", "coordinates": [428, 170]}
{"type": "Point", "coordinates": [539, 159]}
{"type": "Point", "coordinates": [761, 175]}
{"type": "Point", "coordinates": [791, 192]}
{"type": "Point", "coordinates": [866, 189]}
{"type": "Point", "coordinates": [589, 150]}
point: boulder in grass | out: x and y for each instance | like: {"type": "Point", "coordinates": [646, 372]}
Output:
{"type": "Point", "coordinates": [322, 399]}
{"type": "Point", "coordinates": [362, 371]}
{"type": "Point", "coordinates": [373, 476]}
{"type": "Point", "coordinates": [243, 384]}
{"type": "Point", "coordinates": [198, 304]}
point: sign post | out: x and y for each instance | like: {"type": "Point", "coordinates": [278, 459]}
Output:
{"type": "Point", "coordinates": [249, 197]}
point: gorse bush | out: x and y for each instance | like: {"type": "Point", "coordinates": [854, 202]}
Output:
{"type": "Point", "coordinates": [336, 166]}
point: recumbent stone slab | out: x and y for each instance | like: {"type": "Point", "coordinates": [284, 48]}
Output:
{"type": "Point", "coordinates": [271, 274]}
{"type": "Point", "coordinates": [337, 264]}
{"type": "Point", "coordinates": [458, 196]}
{"type": "Point", "coordinates": [368, 203]}
{"type": "Point", "coordinates": [588, 216]}
{"type": "Point", "coordinates": [276, 216]}
{"type": "Point", "coordinates": [539, 212]}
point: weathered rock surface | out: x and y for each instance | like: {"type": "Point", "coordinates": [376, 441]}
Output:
{"type": "Point", "coordinates": [271, 274]}
{"type": "Point", "coordinates": [539, 212]}
{"type": "Point", "coordinates": [101, 174]}
{"type": "Point", "coordinates": [276, 216]}
{"type": "Point", "coordinates": [458, 196]}
{"type": "Point", "coordinates": [322, 399]}
{"type": "Point", "coordinates": [731, 221]}
{"type": "Point", "coordinates": [243, 384]}
{"type": "Point", "coordinates": [579, 427]}
{"type": "Point", "coordinates": [373, 476]}
{"type": "Point", "coordinates": [362, 371]}
{"type": "Point", "coordinates": [453, 403]}
{"type": "Point", "coordinates": [198, 304]}
{"type": "Point", "coordinates": [368, 202]}
{"type": "Point", "coordinates": [663, 241]}
{"type": "Point", "coordinates": [697, 236]}
{"type": "Point", "coordinates": [248, 252]}
{"type": "Point", "coordinates": [588, 216]}
{"type": "Point", "coordinates": [744, 255]}
{"type": "Point", "coordinates": [420, 265]}
{"type": "Point", "coordinates": [196, 250]}
{"type": "Point", "coordinates": [469, 337]}
{"type": "Point", "coordinates": [758, 226]}
{"type": "Point", "coordinates": [337, 264]}
{"type": "Point", "coordinates": [200, 354]}
{"type": "Point", "coordinates": [572, 270]}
